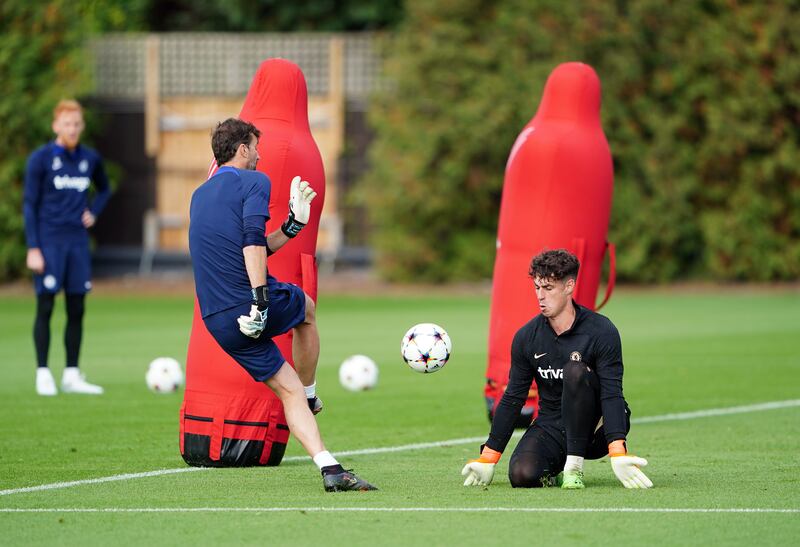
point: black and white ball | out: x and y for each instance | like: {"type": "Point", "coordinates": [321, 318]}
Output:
{"type": "Point", "coordinates": [426, 347]}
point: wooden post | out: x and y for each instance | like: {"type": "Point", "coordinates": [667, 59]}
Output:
{"type": "Point", "coordinates": [330, 234]}
{"type": "Point", "coordinates": [152, 97]}
{"type": "Point", "coordinates": [336, 102]}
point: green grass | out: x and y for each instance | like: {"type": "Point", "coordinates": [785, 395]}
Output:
{"type": "Point", "coordinates": [683, 352]}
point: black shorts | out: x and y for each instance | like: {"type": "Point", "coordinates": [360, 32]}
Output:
{"type": "Point", "coordinates": [542, 452]}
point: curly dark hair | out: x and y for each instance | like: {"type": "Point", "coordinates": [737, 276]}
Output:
{"type": "Point", "coordinates": [227, 137]}
{"type": "Point", "coordinates": [558, 264]}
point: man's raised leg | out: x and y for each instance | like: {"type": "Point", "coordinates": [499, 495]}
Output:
{"type": "Point", "coordinates": [305, 350]}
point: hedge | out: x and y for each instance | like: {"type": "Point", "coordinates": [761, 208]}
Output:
{"type": "Point", "coordinates": [701, 107]}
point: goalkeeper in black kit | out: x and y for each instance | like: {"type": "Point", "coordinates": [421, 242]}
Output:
{"type": "Point", "coordinates": [575, 356]}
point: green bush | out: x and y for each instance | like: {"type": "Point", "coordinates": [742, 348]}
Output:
{"type": "Point", "coordinates": [701, 107]}
{"type": "Point", "coordinates": [40, 63]}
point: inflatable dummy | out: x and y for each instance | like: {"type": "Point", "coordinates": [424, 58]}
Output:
{"type": "Point", "coordinates": [556, 194]}
{"type": "Point", "coordinates": [227, 418]}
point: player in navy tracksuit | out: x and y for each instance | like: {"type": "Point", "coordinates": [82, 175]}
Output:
{"type": "Point", "coordinates": [57, 216]}
{"type": "Point", "coordinates": [575, 357]}
{"type": "Point", "coordinates": [242, 306]}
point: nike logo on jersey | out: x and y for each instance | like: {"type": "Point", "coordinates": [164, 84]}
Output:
{"type": "Point", "coordinates": [539, 355]}
{"type": "Point", "coordinates": [57, 164]}
{"type": "Point", "coordinates": [550, 373]}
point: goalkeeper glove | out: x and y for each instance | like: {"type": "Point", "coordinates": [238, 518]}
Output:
{"type": "Point", "coordinates": [253, 325]}
{"type": "Point", "coordinates": [300, 196]}
{"type": "Point", "coordinates": [481, 471]}
{"type": "Point", "coordinates": [626, 467]}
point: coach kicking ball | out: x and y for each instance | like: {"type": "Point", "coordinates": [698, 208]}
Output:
{"type": "Point", "coordinates": [575, 356]}
{"type": "Point", "coordinates": [243, 307]}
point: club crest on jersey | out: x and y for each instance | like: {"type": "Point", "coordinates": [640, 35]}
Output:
{"type": "Point", "coordinates": [83, 166]}
{"type": "Point", "coordinates": [57, 164]}
{"type": "Point", "coordinates": [575, 356]}
{"type": "Point", "coordinates": [49, 282]}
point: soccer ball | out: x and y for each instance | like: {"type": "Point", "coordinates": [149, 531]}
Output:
{"type": "Point", "coordinates": [164, 375]}
{"type": "Point", "coordinates": [426, 347]}
{"type": "Point", "coordinates": [358, 373]}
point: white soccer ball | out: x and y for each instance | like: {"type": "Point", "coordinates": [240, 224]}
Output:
{"type": "Point", "coordinates": [426, 347]}
{"type": "Point", "coordinates": [358, 373]}
{"type": "Point", "coordinates": [164, 375]}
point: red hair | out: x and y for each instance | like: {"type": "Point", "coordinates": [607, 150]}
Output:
{"type": "Point", "coordinates": [67, 105]}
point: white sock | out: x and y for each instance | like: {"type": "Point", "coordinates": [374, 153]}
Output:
{"type": "Point", "coordinates": [311, 391]}
{"type": "Point", "coordinates": [574, 463]}
{"type": "Point", "coordinates": [324, 459]}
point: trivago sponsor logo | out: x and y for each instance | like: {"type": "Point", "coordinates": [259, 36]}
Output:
{"type": "Point", "coordinates": [551, 373]}
{"type": "Point", "coordinates": [64, 182]}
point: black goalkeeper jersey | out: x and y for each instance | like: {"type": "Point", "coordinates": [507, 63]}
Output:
{"type": "Point", "coordinates": [537, 353]}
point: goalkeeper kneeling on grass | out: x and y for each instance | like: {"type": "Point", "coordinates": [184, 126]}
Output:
{"type": "Point", "coordinates": [575, 356]}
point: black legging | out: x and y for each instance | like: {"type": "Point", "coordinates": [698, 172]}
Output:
{"type": "Point", "coordinates": [541, 453]}
{"type": "Point", "coordinates": [580, 406]}
{"type": "Point", "coordinates": [73, 333]}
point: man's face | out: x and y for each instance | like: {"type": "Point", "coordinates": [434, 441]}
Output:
{"type": "Point", "coordinates": [68, 127]}
{"type": "Point", "coordinates": [252, 153]}
{"type": "Point", "coordinates": [553, 295]}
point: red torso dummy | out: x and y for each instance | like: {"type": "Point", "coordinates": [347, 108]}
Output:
{"type": "Point", "coordinates": [556, 194]}
{"type": "Point", "coordinates": [227, 418]}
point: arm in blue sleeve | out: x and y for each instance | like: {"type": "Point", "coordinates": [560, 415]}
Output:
{"type": "Point", "coordinates": [30, 202]}
{"type": "Point", "coordinates": [254, 232]}
{"type": "Point", "coordinates": [102, 188]}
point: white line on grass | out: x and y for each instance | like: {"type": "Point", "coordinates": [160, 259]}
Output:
{"type": "Point", "coordinates": [112, 478]}
{"type": "Point", "coordinates": [417, 446]}
{"type": "Point", "coordinates": [717, 412]}
{"type": "Point", "coordinates": [399, 510]}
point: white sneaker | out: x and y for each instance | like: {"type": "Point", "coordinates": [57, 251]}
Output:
{"type": "Point", "coordinates": [45, 383]}
{"type": "Point", "coordinates": [74, 382]}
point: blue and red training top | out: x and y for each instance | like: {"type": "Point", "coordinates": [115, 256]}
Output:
{"type": "Point", "coordinates": [56, 193]}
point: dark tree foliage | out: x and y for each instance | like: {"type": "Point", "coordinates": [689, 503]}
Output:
{"type": "Point", "coordinates": [271, 15]}
{"type": "Point", "coordinates": [701, 107]}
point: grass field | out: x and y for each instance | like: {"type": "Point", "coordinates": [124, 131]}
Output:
{"type": "Point", "coordinates": [722, 478]}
